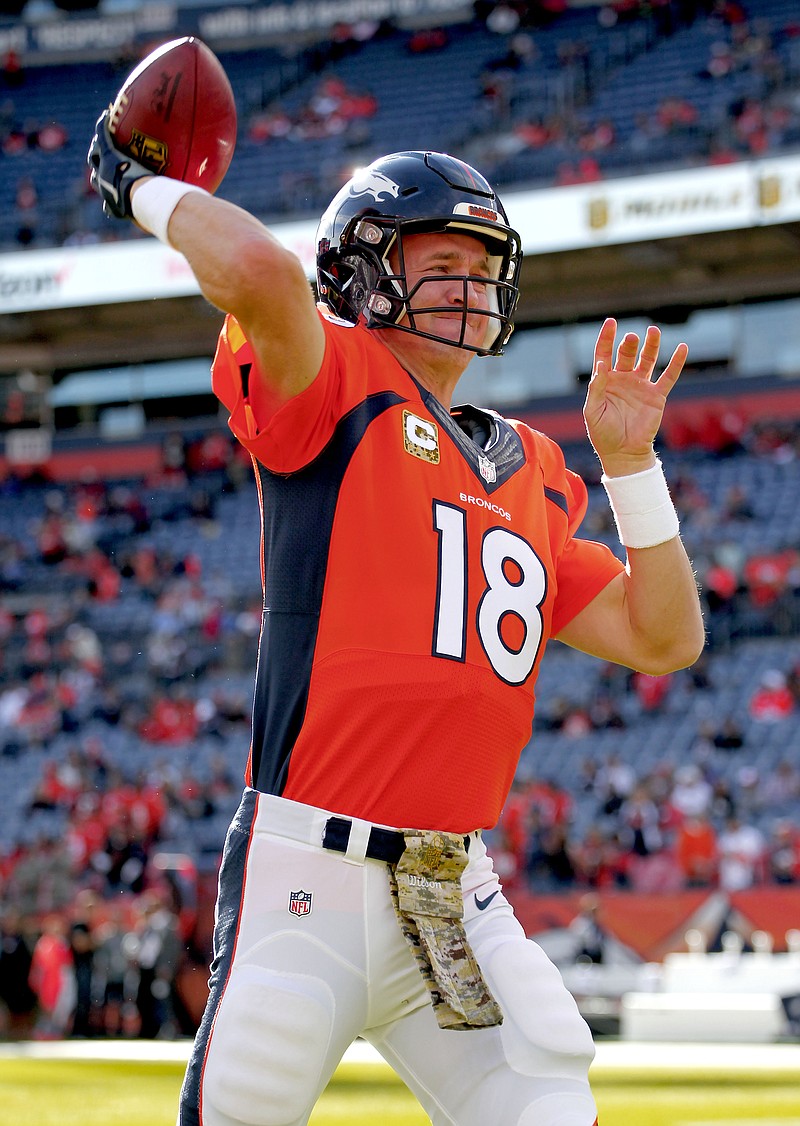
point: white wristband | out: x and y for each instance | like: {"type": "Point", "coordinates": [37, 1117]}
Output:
{"type": "Point", "coordinates": [643, 510]}
{"type": "Point", "coordinates": [154, 201]}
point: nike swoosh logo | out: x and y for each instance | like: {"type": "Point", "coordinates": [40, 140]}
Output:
{"type": "Point", "coordinates": [482, 904]}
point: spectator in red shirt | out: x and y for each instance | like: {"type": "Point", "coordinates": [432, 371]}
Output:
{"type": "Point", "coordinates": [52, 979]}
{"type": "Point", "coordinates": [772, 700]}
{"type": "Point", "coordinates": [767, 576]}
{"type": "Point", "coordinates": [652, 690]}
{"type": "Point", "coordinates": [696, 850]}
{"type": "Point", "coordinates": [599, 861]}
{"type": "Point", "coordinates": [172, 720]}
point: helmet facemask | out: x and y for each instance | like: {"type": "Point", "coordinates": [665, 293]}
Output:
{"type": "Point", "coordinates": [372, 285]}
{"type": "Point", "coordinates": [499, 292]}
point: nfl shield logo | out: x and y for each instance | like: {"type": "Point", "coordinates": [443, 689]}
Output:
{"type": "Point", "coordinates": [300, 902]}
{"type": "Point", "coordinates": [488, 470]}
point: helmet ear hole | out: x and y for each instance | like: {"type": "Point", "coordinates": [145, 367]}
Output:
{"type": "Point", "coordinates": [346, 283]}
{"type": "Point", "coordinates": [361, 284]}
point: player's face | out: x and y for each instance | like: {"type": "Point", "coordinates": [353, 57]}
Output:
{"type": "Point", "coordinates": [437, 264]}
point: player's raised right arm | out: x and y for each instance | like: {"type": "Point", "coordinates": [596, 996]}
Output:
{"type": "Point", "coordinates": [239, 265]}
{"type": "Point", "coordinates": [243, 269]}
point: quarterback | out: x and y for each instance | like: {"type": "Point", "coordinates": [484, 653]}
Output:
{"type": "Point", "coordinates": [416, 558]}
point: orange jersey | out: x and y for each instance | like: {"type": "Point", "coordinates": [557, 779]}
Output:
{"type": "Point", "coordinates": [411, 581]}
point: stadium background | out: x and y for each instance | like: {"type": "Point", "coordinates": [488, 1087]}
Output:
{"type": "Point", "coordinates": [650, 155]}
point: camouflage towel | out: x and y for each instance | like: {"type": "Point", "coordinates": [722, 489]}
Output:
{"type": "Point", "coordinates": [426, 891]}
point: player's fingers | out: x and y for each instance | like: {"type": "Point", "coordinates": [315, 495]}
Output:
{"type": "Point", "coordinates": [649, 353]}
{"type": "Point", "coordinates": [669, 376]}
{"type": "Point", "coordinates": [604, 348]}
{"type": "Point", "coordinates": [626, 353]}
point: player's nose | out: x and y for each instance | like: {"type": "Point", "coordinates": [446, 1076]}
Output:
{"type": "Point", "coordinates": [460, 291]}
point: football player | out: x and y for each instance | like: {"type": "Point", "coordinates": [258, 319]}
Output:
{"type": "Point", "coordinates": [416, 559]}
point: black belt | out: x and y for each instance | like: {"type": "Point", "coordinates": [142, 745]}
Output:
{"type": "Point", "coordinates": [383, 844]}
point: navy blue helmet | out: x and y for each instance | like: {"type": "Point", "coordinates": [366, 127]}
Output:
{"type": "Point", "coordinates": [360, 260]}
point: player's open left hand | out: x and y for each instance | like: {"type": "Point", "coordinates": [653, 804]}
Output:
{"type": "Point", "coordinates": [624, 403]}
{"type": "Point", "coordinates": [113, 172]}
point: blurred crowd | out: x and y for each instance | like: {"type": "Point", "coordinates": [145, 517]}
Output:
{"type": "Point", "coordinates": [674, 827]}
{"type": "Point", "coordinates": [745, 53]}
{"type": "Point", "coordinates": [96, 968]}
{"type": "Point", "coordinates": [524, 101]}
{"type": "Point", "coordinates": [99, 913]}
{"type": "Point", "coordinates": [94, 892]}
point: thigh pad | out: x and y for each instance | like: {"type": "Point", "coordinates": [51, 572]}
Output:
{"type": "Point", "coordinates": [542, 1027]}
{"type": "Point", "coordinates": [268, 1048]}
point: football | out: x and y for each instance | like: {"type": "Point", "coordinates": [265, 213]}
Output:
{"type": "Point", "coordinates": [176, 114]}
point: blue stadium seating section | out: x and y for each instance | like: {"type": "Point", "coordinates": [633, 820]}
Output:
{"type": "Point", "coordinates": [428, 100]}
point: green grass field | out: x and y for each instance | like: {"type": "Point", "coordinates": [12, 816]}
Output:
{"type": "Point", "coordinates": [40, 1092]}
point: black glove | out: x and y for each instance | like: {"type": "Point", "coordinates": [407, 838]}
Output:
{"type": "Point", "coordinates": [113, 172]}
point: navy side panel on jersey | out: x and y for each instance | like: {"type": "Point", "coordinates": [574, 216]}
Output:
{"type": "Point", "coordinates": [298, 514]}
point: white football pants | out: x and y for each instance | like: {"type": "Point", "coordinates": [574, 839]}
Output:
{"type": "Point", "coordinates": [309, 955]}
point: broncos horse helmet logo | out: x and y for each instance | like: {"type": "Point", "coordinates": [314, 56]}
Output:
{"type": "Point", "coordinates": [376, 184]}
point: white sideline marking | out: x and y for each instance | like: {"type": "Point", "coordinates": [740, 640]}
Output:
{"type": "Point", "coordinates": [613, 1058]}
{"type": "Point", "coordinates": [696, 1058]}
{"type": "Point", "coordinates": [166, 1051]}
{"type": "Point", "coordinates": [158, 1051]}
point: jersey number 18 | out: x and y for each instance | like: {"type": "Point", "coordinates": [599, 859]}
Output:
{"type": "Point", "coordinates": [516, 585]}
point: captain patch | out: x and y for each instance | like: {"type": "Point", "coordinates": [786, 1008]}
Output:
{"type": "Point", "coordinates": [421, 437]}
